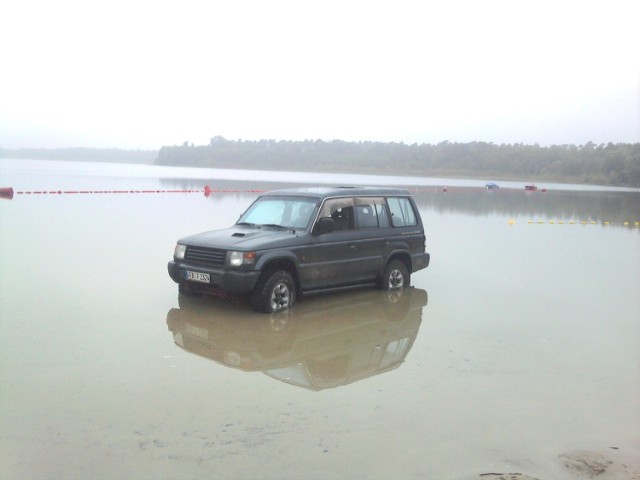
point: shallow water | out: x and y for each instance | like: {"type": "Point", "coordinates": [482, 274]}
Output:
{"type": "Point", "coordinates": [520, 342]}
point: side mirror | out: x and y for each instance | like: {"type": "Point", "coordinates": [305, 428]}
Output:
{"type": "Point", "coordinates": [323, 225]}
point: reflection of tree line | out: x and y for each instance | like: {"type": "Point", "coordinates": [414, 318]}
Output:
{"type": "Point", "coordinates": [224, 187]}
{"type": "Point", "coordinates": [610, 164]}
{"type": "Point", "coordinates": [563, 205]}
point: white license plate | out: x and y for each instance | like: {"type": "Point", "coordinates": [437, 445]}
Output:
{"type": "Point", "coordinates": [197, 276]}
{"type": "Point", "coordinates": [196, 331]}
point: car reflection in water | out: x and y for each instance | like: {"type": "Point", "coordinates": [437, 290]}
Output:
{"type": "Point", "coordinates": [323, 342]}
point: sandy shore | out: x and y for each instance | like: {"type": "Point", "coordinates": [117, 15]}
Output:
{"type": "Point", "coordinates": [612, 464]}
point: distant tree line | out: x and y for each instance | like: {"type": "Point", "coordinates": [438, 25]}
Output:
{"type": "Point", "coordinates": [112, 155]}
{"type": "Point", "coordinates": [610, 164]}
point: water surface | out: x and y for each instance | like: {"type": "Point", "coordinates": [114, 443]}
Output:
{"type": "Point", "coordinates": [519, 343]}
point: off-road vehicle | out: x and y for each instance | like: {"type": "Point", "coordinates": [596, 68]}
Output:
{"type": "Point", "coordinates": [306, 240]}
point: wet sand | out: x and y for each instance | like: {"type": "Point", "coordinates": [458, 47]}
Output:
{"type": "Point", "coordinates": [604, 465]}
{"type": "Point", "coordinates": [515, 355]}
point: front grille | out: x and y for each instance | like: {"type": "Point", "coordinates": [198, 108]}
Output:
{"type": "Point", "coordinates": [211, 256]}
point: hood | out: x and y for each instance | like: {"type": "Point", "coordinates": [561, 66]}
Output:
{"type": "Point", "coordinates": [242, 238]}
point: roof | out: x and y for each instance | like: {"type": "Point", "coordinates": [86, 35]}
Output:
{"type": "Point", "coordinates": [323, 192]}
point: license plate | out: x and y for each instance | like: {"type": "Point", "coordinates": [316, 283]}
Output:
{"type": "Point", "coordinates": [197, 276]}
{"type": "Point", "coordinates": [196, 331]}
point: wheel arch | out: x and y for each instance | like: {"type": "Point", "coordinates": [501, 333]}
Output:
{"type": "Point", "coordinates": [401, 255]}
{"type": "Point", "coordinates": [281, 262]}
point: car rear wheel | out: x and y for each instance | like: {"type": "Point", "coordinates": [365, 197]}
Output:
{"type": "Point", "coordinates": [396, 276]}
{"type": "Point", "coordinates": [274, 292]}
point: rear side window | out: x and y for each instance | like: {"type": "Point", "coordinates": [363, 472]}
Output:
{"type": "Point", "coordinates": [371, 212]}
{"type": "Point", "coordinates": [402, 214]}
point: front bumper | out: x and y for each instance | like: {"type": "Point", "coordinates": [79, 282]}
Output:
{"type": "Point", "coordinates": [234, 282]}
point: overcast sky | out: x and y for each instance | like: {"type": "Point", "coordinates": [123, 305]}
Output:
{"type": "Point", "coordinates": [142, 74]}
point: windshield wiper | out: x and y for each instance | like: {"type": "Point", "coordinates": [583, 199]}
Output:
{"type": "Point", "coordinates": [246, 224]}
{"type": "Point", "coordinates": [280, 227]}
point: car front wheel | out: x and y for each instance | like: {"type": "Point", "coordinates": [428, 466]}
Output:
{"type": "Point", "coordinates": [274, 292]}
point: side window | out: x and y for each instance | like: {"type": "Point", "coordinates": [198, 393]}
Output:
{"type": "Point", "coordinates": [402, 214]}
{"type": "Point", "coordinates": [341, 210]}
{"type": "Point", "coordinates": [370, 213]}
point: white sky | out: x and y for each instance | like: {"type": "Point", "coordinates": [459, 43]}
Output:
{"type": "Point", "coordinates": [142, 74]}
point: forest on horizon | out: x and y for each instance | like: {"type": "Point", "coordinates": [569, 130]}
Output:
{"type": "Point", "coordinates": [616, 164]}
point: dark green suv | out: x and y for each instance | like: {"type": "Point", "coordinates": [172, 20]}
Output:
{"type": "Point", "coordinates": [306, 240]}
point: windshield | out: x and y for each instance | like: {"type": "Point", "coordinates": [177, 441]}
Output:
{"type": "Point", "coordinates": [287, 212]}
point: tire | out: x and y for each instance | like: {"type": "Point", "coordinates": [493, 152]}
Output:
{"type": "Point", "coordinates": [396, 276]}
{"type": "Point", "coordinates": [274, 292]}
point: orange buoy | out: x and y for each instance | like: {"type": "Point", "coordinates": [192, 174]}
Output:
{"type": "Point", "coordinates": [6, 193]}
{"type": "Point", "coordinates": [207, 191]}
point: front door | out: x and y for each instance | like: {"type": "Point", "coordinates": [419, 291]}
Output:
{"type": "Point", "coordinates": [331, 258]}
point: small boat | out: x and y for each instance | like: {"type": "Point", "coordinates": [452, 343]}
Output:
{"type": "Point", "coordinates": [530, 188]}
{"type": "Point", "coordinates": [492, 186]}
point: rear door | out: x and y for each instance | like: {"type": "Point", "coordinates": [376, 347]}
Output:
{"type": "Point", "coordinates": [371, 219]}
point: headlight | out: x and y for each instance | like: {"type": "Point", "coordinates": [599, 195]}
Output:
{"type": "Point", "coordinates": [236, 259]}
{"type": "Point", "coordinates": [179, 252]}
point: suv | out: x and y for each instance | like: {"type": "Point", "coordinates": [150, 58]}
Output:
{"type": "Point", "coordinates": [306, 240]}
